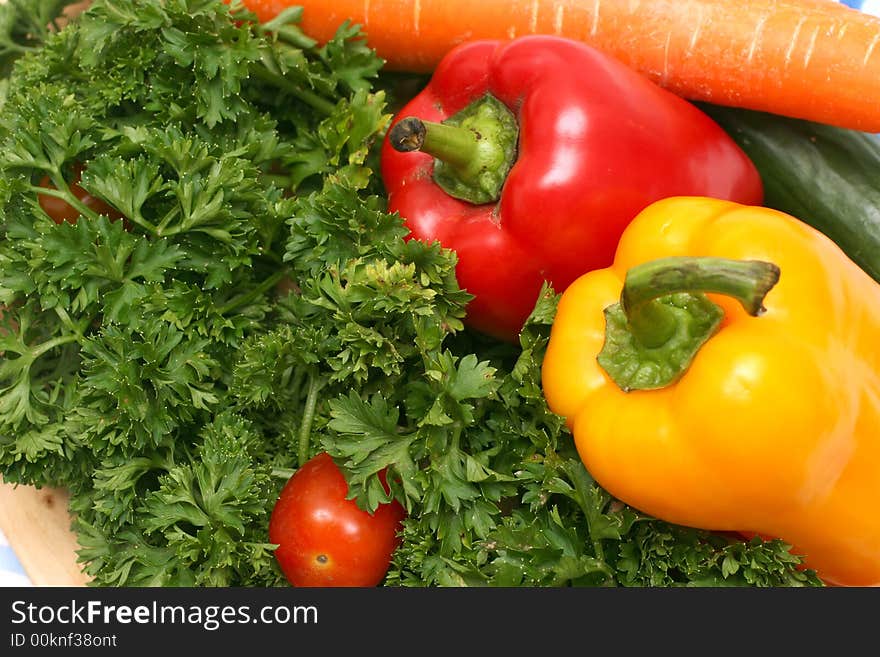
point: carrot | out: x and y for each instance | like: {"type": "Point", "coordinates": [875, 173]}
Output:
{"type": "Point", "coordinates": [811, 59]}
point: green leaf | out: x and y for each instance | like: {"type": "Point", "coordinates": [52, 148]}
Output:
{"type": "Point", "coordinates": [350, 58]}
{"type": "Point", "coordinates": [373, 420]}
{"type": "Point", "coordinates": [471, 379]}
{"type": "Point", "coordinates": [126, 184]}
{"type": "Point", "coordinates": [24, 26]}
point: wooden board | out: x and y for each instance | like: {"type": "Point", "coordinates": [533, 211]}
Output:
{"type": "Point", "coordinates": [37, 525]}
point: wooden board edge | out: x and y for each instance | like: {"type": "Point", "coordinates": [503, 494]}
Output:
{"type": "Point", "coordinates": [36, 522]}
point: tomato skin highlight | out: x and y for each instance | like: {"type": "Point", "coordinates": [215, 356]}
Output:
{"type": "Point", "coordinates": [326, 540]}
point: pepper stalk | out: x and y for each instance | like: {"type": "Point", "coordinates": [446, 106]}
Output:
{"type": "Point", "coordinates": [473, 149]}
{"type": "Point", "coordinates": [663, 317]}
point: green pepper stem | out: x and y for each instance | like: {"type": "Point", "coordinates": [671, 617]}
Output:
{"type": "Point", "coordinates": [747, 281]}
{"type": "Point", "coordinates": [473, 150]}
{"type": "Point", "coordinates": [458, 147]}
{"type": "Point", "coordinates": [664, 316]}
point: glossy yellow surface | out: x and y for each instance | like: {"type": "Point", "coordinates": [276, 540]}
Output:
{"type": "Point", "coordinates": [775, 428]}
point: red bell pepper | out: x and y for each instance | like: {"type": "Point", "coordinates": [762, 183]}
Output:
{"type": "Point", "coordinates": [529, 157]}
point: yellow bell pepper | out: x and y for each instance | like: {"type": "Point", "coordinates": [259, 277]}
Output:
{"type": "Point", "coordinates": [761, 418]}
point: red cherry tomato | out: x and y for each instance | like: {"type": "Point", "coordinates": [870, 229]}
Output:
{"type": "Point", "coordinates": [326, 540]}
{"type": "Point", "coordinates": [60, 210]}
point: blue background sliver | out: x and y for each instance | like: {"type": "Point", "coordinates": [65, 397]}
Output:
{"type": "Point", "coordinates": [11, 572]}
{"type": "Point", "coordinates": [868, 6]}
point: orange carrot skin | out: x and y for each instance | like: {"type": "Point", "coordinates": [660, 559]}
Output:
{"type": "Point", "coordinates": [812, 59]}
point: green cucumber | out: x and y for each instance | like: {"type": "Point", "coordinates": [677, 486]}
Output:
{"type": "Point", "coordinates": [827, 177]}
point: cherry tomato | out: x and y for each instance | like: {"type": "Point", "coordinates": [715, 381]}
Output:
{"type": "Point", "coordinates": [326, 540]}
{"type": "Point", "coordinates": [60, 210]}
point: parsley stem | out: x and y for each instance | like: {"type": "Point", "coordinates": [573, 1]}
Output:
{"type": "Point", "coordinates": [63, 192]}
{"type": "Point", "coordinates": [170, 216]}
{"type": "Point", "coordinates": [51, 344]}
{"type": "Point", "coordinates": [310, 98]}
{"type": "Point", "coordinates": [282, 473]}
{"type": "Point", "coordinates": [138, 219]}
{"type": "Point", "coordinates": [15, 47]}
{"type": "Point", "coordinates": [599, 552]}
{"type": "Point", "coordinates": [305, 428]}
{"type": "Point", "coordinates": [296, 382]}
{"type": "Point", "coordinates": [74, 201]}
{"type": "Point", "coordinates": [253, 293]}
{"type": "Point", "coordinates": [69, 323]}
